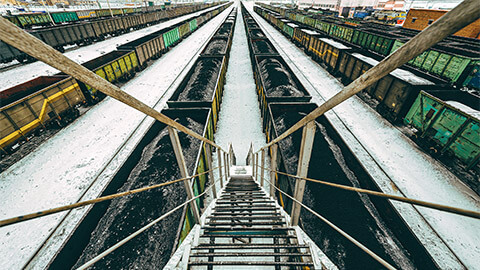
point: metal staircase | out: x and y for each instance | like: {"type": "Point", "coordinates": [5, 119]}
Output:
{"type": "Point", "coordinates": [246, 229]}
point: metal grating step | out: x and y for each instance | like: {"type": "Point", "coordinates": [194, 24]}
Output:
{"type": "Point", "coordinates": [247, 229]}
{"type": "Point", "coordinates": [249, 254]}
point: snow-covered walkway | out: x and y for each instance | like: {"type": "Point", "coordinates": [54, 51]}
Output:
{"type": "Point", "coordinates": [78, 162]}
{"type": "Point", "coordinates": [397, 164]}
{"type": "Point", "coordinates": [23, 73]}
{"type": "Point", "coordinates": [240, 121]}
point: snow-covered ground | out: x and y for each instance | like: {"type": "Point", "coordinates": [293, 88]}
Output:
{"type": "Point", "coordinates": [77, 163]}
{"type": "Point", "coordinates": [240, 119]}
{"type": "Point", "coordinates": [397, 164]}
{"type": "Point", "coordinates": [23, 73]}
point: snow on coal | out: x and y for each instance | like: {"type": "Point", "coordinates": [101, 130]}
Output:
{"type": "Point", "coordinates": [256, 33]}
{"type": "Point", "coordinates": [263, 47]}
{"type": "Point", "coordinates": [201, 84]}
{"type": "Point", "coordinates": [224, 30]}
{"type": "Point", "coordinates": [278, 81]}
{"type": "Point", "coordinates": [217, 46]}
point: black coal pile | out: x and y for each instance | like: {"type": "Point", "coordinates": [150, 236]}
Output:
{"type": "Point", "coordinates": [217, 46]}
{"type": "Point", "coordinates": [352, 212]}
{"type": "Point", "coordinates": [256, 33]}
{"type": "Point", "coordinates": [224, 30]}
{"type": "Point", "coordinates": [278, 81]}
{"type": "Point", "coordinates": [152, 248]}
{"type": "Point", "coordinates": [262, 47]}
{"type": "Point", "coordinates": [201, 83]}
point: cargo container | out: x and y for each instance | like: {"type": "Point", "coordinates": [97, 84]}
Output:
{"type": "Point", "coordinates": [113, 67]}
{"type": "Point", "coordinates": [329, 52]}
{"type": "Point", "coordinates": [302, 37]}
{"type": "Point", "coordinates": [276, 82]}
{"type": "Point", "coordinates": [63, 17]}
{"type": "Point", "coordinates": [171, 37]}
{"type": "Point", "coordinates": [448, 64]}
{"type": "Point", "coordinates": [450, 121]}
{"type": "Point", "coordinates": [146, 48]}
{"type": "Point", "coordinates": [202, 86]}
{"type": "Point", "coordinates": [33, 104]}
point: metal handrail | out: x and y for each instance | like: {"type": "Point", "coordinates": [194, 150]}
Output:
{"type": "Point", "coordinates": [436, 206]}
{"type": "Point", "coordinates": [133, 235]}
{"type": "Point", "coordinates": [18, 38]}
{"type": "Point", "coordinates": [346, 235]}
{"type": "Point", "coordinates": [47, 212]}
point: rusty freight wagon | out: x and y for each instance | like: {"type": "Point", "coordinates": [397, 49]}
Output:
{"type": "Point", "coordinates": [34, 104]}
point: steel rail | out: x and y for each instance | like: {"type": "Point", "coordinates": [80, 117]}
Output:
{"type": "Point", "coordinates": [346, 235]}
{"type": "Point", "coordinates": [23, 41]}
{"type": "Point", "coordinates": [133, 235]}
{"type": "Point", "coordinates": [43, 213]}
{"type": "Point", "coordinates": [465, 13]}
{"type": "Point", "coordinates": [436, 206]}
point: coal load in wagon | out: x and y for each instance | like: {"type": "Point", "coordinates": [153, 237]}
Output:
{"type": "Point", "coordinates": [333, 160]}
{"type": "Point", "coordinates": [216, 46]}
{"type": "Point", "coordinates": [124, 216]}
{"type": "Point", "coordinates": [224, 30]}
{"type": "Point", "coordinates": [278, 81]}
{"type": "Point", "coordinates": [256, 33]}
{"type": "Point", "coordinates": [263, 47]}
{"type": "Point", "coordinates": [201, 83]}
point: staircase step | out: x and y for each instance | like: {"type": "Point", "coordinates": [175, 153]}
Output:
{"type": "Point", "coordinates": [249, 254]}
{"type": "Point", "coordinates": [248, 246]}
{"type": "Point", "coordinates": [280, 236]}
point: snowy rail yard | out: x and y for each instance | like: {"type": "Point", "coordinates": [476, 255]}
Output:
{"type": "Point", "coordinates": [63, 170]}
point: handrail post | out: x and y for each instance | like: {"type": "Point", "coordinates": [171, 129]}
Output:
{"type": "Point", "coordinates": [256, 167]}
{"type": "Point", "coordinates": [177, 148]}
{"type": "Point", "coordinates": [210, 168]}
{"type": "Point", "coordinates": [225, 167]}
{"type": "Point", "coordinates": [219, 157]}
{"type": "Point", "coordinates": [308, 136]}
{"type": "Point", "coordinates": [262, 170]}
{"type": "Point", "coordinates": [273, 168]}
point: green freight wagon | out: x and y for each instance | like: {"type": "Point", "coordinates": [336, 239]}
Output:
{"type": "Point", "coordinates": [472, 79]}
{"type": "Point", "coordinates": [300, 18]}
{"type": "Point", "coordinates": [171, 37]}
{"type": "Point", "coordinates": [378, 43]}
{"type": "Point", "coordinates": [322, 26]}
{"type": "Point", "coordinates": [14, 20]}
{"type": "Point", "coordinates": [62, 17]}
{"type": "Point", "coordinates": [310, 21]}
{"type": "Point", "coordinates": [341, 32]}
{"type": "Point", "coordinates": [451, 123]}
{"type": "Point", "coordinates": [193, 25]}
{"type": "Point", "coordinates": [447, 65]}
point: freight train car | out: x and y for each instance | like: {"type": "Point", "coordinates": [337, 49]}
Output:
{"type": "Point", "coordinates": [461, 54]}
{"type": "Point", "coordinates": [202, 89]}
{"type": "Point", "coordinates": [35, 104]}
{"type": "Point", "coordinates": [399, 94]}
{"type": "Point", "coordinates": [450, 121]}
{"type": "Point", "coordinates": [85, 32]}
